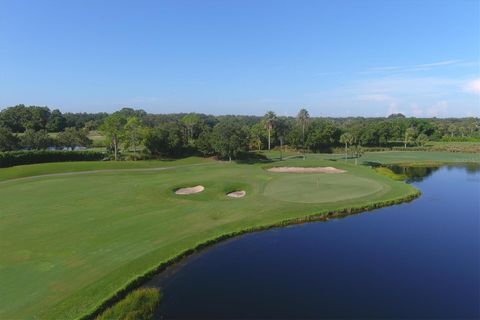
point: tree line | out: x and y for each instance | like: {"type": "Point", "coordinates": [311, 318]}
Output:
{"type": "Point", "coordinates": [138, 134]}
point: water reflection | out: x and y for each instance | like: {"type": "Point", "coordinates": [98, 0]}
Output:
{"type": "Point", "coordinates": [414, 174]}
{"type": "Point", "coordinates": [419, 173]}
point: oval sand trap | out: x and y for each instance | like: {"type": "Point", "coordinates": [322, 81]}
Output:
{"type": "Point", "coordinates": [237, 194]}
{"type": "Point", "coordinates": [190, 190]}
{"type": "Point", "coordinates": [306, 170]}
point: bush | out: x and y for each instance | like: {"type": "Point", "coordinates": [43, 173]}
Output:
{"type": "Point", "coordinates": [410, 149]}
{"type": "Point", "coordinates": [138, 305]}
{"type": "Point", "coordinates": [15, 158]}
{"type": "Point", "coordinates": [376, 149]}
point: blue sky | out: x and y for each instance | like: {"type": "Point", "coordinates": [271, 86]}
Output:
{"type": "Point", "coordinates": [336, 58]}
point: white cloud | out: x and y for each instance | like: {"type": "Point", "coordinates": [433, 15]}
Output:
{"type": "Point", "coordinates": [473, 86]}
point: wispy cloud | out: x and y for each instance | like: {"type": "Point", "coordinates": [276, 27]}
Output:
{"type": "Point", "coordinates": [415, 95]}
{"type": "Point", "coordinates": [438, 64]}
{"type": "Point", "coordinates": [403, 86]}
{"type": "Point", "coordinates": [413, 68]}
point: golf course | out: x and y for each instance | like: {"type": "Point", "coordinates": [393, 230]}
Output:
{"type": "Point", "coordinates": [75, 234]}
{"type": "Point", "coordinates": [239, 160]}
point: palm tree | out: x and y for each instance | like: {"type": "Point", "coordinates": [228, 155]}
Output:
{"type": "Point", "coordinates": [269, 120]}
{"type": "Point", "coordinates": [347, 138]}
{"type": "Point", "coordinates": [303, 117]}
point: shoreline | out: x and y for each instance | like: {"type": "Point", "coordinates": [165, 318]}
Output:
{"type": "Point", "coordinates": [198, 249]}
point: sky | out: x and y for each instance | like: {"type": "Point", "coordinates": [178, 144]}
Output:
{"type": "Point", "coordinates": [334, 58]}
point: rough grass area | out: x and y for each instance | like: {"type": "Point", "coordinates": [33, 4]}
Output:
{"type": "Point", "coordinates": [454, 146]}
{"type": "Point", "coordinates": [69, 242]}
{"type": "Point", "coordinates": [389, 173]}
{"type": "Point", "coordinates": [137, 305]}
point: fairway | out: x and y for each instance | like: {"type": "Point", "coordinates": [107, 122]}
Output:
{"type": "Point", "coordinates": [419, 157]}
{"type": "Point", "coordinates": [70, 241]}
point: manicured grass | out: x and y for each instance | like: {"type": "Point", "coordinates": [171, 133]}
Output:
{"type": "Point", "coordinates": [419, 157]}
{"type": "Point", "coordinates": [70, 242]}
{"type": "Point", "coordinates": [137, 305]}
{"type": "Point", "coordinates": [65, 167]}
{"type": "Point", "coordinates": [394, 157]}
{"type": "Point", "coordinates": [320, 188]}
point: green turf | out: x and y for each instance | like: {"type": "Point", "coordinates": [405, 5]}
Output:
{"type": "Point", "coordinates": [419, 157]}
{"type": "Point", "coordinates": [320, 188]}
{"type": "Point", "coordinates": [65, 167]}
{"type": "Point", "coordinates": [68, 242]}
{"type": "Point", "coordinates": [390, 157]}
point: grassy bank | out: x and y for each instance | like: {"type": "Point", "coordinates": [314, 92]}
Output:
{"type": "Point", "coordinates": [137, 305]}
{"type": "Point", "coordinates": [389, 173]}
{"type": "Point", "coordinates": [73, 241]}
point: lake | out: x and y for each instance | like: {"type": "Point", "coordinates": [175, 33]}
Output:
{"type": "Point", "coordinates": [415, 260]}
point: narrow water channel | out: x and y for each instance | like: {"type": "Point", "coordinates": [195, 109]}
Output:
{"type": "Point", "coordinates": [414, 260]}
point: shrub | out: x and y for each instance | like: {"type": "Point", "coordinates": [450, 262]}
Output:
{"type": "Point", "coordinates": [138, 305]}
{"type": "Point", "coordinates": [15, 158]}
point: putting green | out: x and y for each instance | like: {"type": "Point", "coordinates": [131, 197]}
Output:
{"type": "Point", "coordinates": [69, 241]}
{"type": "Point", "coordinates": [320, 188]}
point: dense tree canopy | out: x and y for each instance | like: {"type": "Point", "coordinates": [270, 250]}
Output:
{"type": "Point", "coordinates": [37, 140]}
{"type": "Point", "coordinates": [229, 139]}
{"type": "Point", "coordinates": [167, 139]}
{"type": "Point", "coordinates": [73, 137]}
{"type": "Point", "coordinates": [8, 141]}
{"type": "Point", "coordinates": [226, 136]}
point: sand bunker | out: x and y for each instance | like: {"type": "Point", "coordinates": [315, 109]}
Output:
{"type": "Point", "coordinates": [237, 194]}
{"type": "Point", "coordinates": [191, 190]}
{"type": "Point", "coordinates": [306, 170]}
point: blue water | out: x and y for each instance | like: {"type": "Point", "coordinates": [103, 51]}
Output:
{"type": "Point", "coordinates": [414, 260]}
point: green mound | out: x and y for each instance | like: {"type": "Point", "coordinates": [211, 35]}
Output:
{"type": "Point", "coordinates": [321, 188]}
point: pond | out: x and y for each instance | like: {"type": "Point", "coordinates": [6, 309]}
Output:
{"type": "Point", "coordinates": [414, 260]}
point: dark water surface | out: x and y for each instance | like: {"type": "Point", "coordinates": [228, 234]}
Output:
{"type": "Point", "coordinates": [415, 260]}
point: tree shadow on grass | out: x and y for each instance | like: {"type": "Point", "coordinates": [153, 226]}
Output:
{"type": "Point", "coordinates": [252, 158]}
